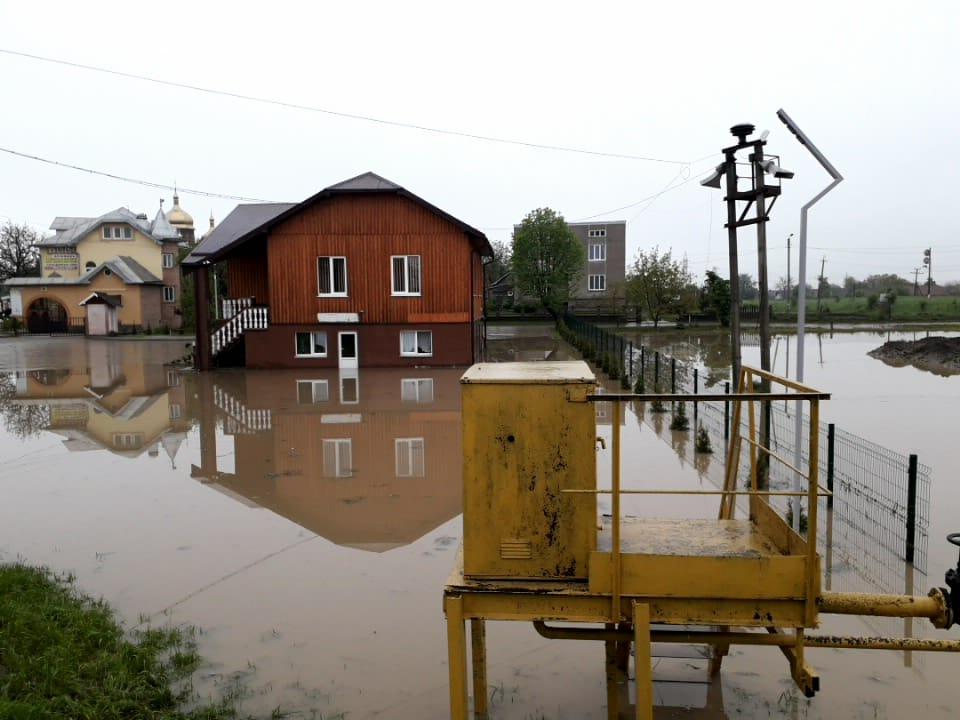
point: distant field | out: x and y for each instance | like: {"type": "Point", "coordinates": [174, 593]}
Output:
{"type": "Point", "coordinates": [904, 308]}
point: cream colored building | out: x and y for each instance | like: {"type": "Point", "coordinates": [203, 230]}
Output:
{"type": "Point", "coordinates": [116, 272]}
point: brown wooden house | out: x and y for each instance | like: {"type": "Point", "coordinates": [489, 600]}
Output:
{"type": "Point", "coordinates": [362, 274]}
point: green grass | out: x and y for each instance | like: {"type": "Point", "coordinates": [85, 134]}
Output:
{"type": "Point", "coordinates": [905, 308]}
{"type": "Point", "coordinates": [64, 655]}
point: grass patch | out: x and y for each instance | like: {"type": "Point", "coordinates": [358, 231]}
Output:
{"type": "Point", "coordinates": [64, 655]}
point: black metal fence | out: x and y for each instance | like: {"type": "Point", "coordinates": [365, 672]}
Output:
{"type": "Point", "coordinates": [881, 501]}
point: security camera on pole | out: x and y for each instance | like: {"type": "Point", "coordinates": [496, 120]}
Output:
{"type": "Point", "coordinates": [754, 191]}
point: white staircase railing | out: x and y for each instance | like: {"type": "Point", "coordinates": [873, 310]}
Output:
{"type": "Point", "coordinates": [233, 306]}
{"type": "Point", "coordinates": [251, 318]}
{"type": "Point", "coordinates": [239, 419]}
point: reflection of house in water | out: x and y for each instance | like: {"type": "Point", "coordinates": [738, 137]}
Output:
{"type": "Point", "coordinates": [127, 408]}
{"type": "Point", "coordinates": [369, 460]}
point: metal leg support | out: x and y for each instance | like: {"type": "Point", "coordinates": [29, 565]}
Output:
{"type": "Point", "coordinates": [643, 662]}
{"type": "Point", "coordinates": [456, 656]}
{"type": "Point", "coordinates": [478, 640]}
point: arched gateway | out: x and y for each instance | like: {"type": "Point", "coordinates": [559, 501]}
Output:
{"type": "Point", "coordinates": [46, 315]}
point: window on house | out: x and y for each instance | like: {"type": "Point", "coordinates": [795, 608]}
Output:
{"type": "Point", "coordinates": [332, 276]}
{"type": "Point", "coordinates": [89, 266]}
{"type": "Point", "coordinates": [311, 344]}
{"type": "Point", "coordinates": [596, 283]}
{"type": "Point", "coordinates": [127, 232]}
{"type": "Point", "coordinates": [310, 392]}
{"type": "Point", "coordinates": [175, 411]}
{"type": "Point", "coordinates": [598, 251]}
{"type": "Point", "coordinates": [338, 458]}
{"type": "Point", "coordinates": [168, 260]}
{"type": "Point", "coordinates": [173, 378]}
{"type": "Point", "coordinates": [169, 294]}
{"type": "Point", "coordinates": [349, 390]}
{"type": "Point", "coordinates": [416, 343]}
{"type": "Point", "coordinates": [409, 457]}
{"type": "Point", "coordinates": [406, 274]}
{"type": "Point", "coordinates": [128, 441]}
{"type": "Point", "coordinates": [418, 390]}
{"type": "Point", "coordinates": [598, 233]}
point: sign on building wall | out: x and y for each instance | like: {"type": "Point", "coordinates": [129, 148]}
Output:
{"type": "Point", "coordinates": [61, 262]}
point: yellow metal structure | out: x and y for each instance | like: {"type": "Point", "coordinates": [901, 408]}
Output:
{"type": "Point", "coordinates": [534, 551]}
{"type": "Point", "coordinates": [528, 434]}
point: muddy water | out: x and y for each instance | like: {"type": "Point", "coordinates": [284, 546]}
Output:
{"type": "Point", "coordinates": [307, 521]}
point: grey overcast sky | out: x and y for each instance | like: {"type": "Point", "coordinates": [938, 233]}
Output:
{"type": "Point", "coordinates": [874, 84]}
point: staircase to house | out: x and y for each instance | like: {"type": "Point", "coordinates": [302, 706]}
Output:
{"type": "Point", "coordinates": [241, 316]}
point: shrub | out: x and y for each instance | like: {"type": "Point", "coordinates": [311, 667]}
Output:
{"type": "Point", "coordinates": [703, 444]}
{"type": "Point", "coordinates": [640, 387]}
{"type": "Point", "coordinates": [680, 421]}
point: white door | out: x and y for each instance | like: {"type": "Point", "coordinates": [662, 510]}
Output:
{"type": "Point", "coordinates": [97, 319]}
{"type": "Point", "coordinates": [348, 349]}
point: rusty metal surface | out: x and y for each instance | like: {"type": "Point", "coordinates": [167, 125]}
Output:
{"type": "Point", "coordinates": [689, 538]}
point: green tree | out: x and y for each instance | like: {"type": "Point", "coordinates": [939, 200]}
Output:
{"type": "Point", "coordinates": [748, 288]}
{"type": "Point", "coordinates": [715, 296]}
{"type": "Point", "coordinates": [19, 254]}
{"type": "Point", "coordinates": [659, 284]}
{"type": "Point", "coordinates": [547, 259]}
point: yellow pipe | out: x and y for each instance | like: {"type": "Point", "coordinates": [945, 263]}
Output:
{"type": "Point", "coordinates": [750, 638]}
{"type": "Point", "coordinates": [933, 606]}
{"type": "Point", "coordinates": [615, 610]}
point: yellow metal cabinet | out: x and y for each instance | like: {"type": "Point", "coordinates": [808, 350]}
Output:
{"type": "Point", "coordinates": [527, 435]}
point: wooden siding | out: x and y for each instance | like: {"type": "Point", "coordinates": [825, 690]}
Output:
{"type": "Point", "coordinates": [367, 230]}
{"type": "Point", "coordinates": [247, 272]}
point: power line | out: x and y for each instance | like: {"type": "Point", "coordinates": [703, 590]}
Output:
{"type": "Point", "coordinates": [338, 113]}
{"type": "Point", "coordinates": [650, 197]}
{"type": "Point", "coordinates": [136, 181]}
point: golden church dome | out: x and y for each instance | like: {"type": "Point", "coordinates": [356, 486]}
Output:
{"type": "Point", "coordinates": [177, 216]}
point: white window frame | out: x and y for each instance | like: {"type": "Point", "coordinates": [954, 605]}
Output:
{"type": "Point", "coordinates": [312, 353]}
{"type": "Point", "coordinates": [175, 411]}
{"type": "Point", "coordinates": [601, 252]}
{"type": "Point", "coordinates": [356, 396]}
{"type": "Point", "coordinates": [171, 296]}
{"type": "Point", "coordinates": [334, 445]}
{"type": "Point", "coordinates": [418, 390]}
{"type": "Point", "coordinates": [600, 285]}
{"type": "Point", "coordinates": [173, 378]}
{"type": "Point", "coordinates": [597, 233]}
{"type": "Point", "coordinates": [405, 291]}
{"type": "Point", "coordinates": [315, 397]}
{"type": "Point", "coordinates": [407, 469]}
{"type": "Point", "coordinates": [346, 281]}
{"type": "Point", "coordinates": [127, 440]}
{"type": "Point", "coordinates": [168, 261]}
{"type": "Point", "coordinates": [416, 344]}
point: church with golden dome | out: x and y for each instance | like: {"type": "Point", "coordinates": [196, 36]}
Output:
{"type": "Point", "coordinates": [181, 221]}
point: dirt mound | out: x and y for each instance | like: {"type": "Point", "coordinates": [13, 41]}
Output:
{"type": "Point", "coordinates": [938, 355]}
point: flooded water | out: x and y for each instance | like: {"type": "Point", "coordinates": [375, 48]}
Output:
{"type": "Point", "coordinates": [306, 521]}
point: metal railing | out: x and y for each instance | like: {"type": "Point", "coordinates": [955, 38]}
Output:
{"type": "Point", "coordinates": [251, 318]}
{"type": "Point", "coordinates": [759, 497]}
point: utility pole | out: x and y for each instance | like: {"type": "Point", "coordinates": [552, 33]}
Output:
{"type": "Point", "coordinates": [820, 282]}
{"type": "Point", "coordinates": [916, 285]}
{"type": "Point", "coordinates": [927, 260]}
{"type": "Point", "coordinates": [789, 295]}
{"type": "Point", "coordinates": [755, 196]}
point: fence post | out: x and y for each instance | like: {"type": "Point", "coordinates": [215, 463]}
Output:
{"type": "Point", "coordinates": [656, 371]}
{"type": "Point", "coordinates": [696, 386]}
{"type": "Point", "coordinates": [630, 360]}
{"type": "Point", "coordinates": [673, 375]}
{"type": "Point", "coordinates": [911, 507]}
{"type": "Point", "coordinates": [726, 412]}
{"type": "Point", "coordinates": [831, 446]}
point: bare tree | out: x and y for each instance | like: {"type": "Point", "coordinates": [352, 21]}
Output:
{"type": "Point", "coordinates": [19, 254]}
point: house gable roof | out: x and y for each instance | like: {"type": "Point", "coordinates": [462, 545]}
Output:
{"type": "Point", "coordinates": [71, 230]}
{"type": "Point", "coordinates": [366, 183]}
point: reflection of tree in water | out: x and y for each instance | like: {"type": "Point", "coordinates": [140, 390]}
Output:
{"type": "Point", "coordinates": [23, 421]}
